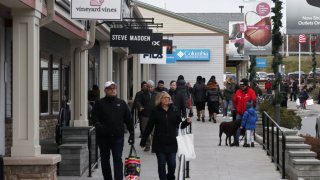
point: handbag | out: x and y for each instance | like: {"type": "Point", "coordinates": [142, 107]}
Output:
{"type": "Point", "coordinates": [309, 102]}
{"type": "Point", "coordinates": [132, 165]}
{"type": "Point", "coordinates": [298, 102]}
{"type": "Point", "coordinates": [185, 144]}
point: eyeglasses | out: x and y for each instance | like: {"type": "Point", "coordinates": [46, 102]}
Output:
{"type": "Point", "coordinates": [111, 88]}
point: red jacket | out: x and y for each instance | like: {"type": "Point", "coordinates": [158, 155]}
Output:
{"type": "Point", "coordinates": [267, 85]}
{"type": "Point", "coordinates": [241, 98]}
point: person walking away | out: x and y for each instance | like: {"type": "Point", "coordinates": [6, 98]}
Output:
{"type": "Point", "coordinates": [294, 90]}
{"type": "Point", "coordinates": [137, 99]}
{"type": "Point", "coordinates": [249, 120]}
{"type": "Point", "coordinates": [161, 87]}
{"type": "Point", "coordinates": [284, 90]}
{"type": "Point", "coordinates": [268, 86]}
{"type": "Point", "coordinates": [177, 99]}
{"type": "Point", "coordinates": [303, 96]}
{"type": "Point", "coordinates": [228, 94]}
{"type": "Point", "coordinates": [109, 115]}
{"type": "Point", "coordinates": [213, 93]}
{"type": "Point", "coordinates": [145, 106]}
{"type": "Point", "coordinates": [182, 92]}
{"type": "Point", "coordinates": [164, 120]}
{"type": "Point", "coordinates": [199, 97]}
{"type": "Point", "coordinates": [240, 99]}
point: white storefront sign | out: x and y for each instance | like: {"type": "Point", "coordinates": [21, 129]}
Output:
{"type": "Point", "coordinates": [154, 58]}
{"type": "Point", "coordinates": [97, 9]}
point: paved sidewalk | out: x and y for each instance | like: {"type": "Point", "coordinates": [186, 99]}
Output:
{"type": "Point", "coordinates": [213, 162]}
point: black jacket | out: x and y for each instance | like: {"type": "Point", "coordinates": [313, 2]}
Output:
{"type": "Point", "coordinates": [178, 99]}
{"type": "Point", "coordinates": [147, 102]}
{"type": "Point", "coordinates": [109, 115]}
{"type": "Point", "coordinates": [164, 124]}
{"type": "Point", "coordinates": [199, 92]}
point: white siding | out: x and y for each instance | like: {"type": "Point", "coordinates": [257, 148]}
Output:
{"type": "Point", "coordinates": [172, 25]}
{"type": "Point", "coordinates": [191, 69]}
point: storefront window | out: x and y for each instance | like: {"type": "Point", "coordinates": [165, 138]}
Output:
{"type": "Point", "coordinates": [44, 86]}
{"type": "Point", "coordinates": [55, 103]}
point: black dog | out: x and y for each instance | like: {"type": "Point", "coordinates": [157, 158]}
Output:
{"type": "Point", "coordinates": [230, 129]}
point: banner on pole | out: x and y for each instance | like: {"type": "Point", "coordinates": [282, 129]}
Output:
{"type": "Point", "coordinates": [257, 21]}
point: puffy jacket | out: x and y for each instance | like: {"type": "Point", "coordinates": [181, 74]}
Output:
{"type": "Point", "coordinates": [109, 115]}
{"type": "Point", "coordinates": [179, 101]}
{"type": "Point", "coordinates": [183, 90]}
{"type": "Point", "coordinates": [165, 124]}
{"type": "Point", "coordinates": [249, 119]}
{"type": "Point", "coordinates": [199, 92]}
{"type": "Point", "coordinates": [241, 98]}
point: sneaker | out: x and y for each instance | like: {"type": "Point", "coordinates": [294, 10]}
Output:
{"type": "Point", "coordinates": [209, 119]}
{"type": "Point", "coordinates": [252, 144]}
{"type": "Point", "coordinates": [198, 119]}
{"type": "Point", "coordinates": [234, 144]}
{"type": "Point", "coordinates": [214, 121]}
{"type": "Point", "coordinates": [246, 145]}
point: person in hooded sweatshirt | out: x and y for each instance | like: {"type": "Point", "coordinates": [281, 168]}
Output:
{"type": "Point", "coordinates": [249, 120]}
{"type": "Point", "coordinates": [182, 91]}
{"type": "Point", "coordinates": [199, 97]}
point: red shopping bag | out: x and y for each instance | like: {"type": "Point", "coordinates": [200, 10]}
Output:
{"type": "Point", "coordinates": [132, 165]}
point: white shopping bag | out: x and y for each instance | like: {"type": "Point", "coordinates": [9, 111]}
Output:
{"type": "Point", "coordinates": [298, 102]}
{"type": "Point", "coordinates": [309, 102]}
{"type": "Point", "coordinates": [185, 144]}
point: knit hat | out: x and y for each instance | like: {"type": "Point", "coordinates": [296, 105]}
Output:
{"type": "Point", "coordinates": [244, 82]}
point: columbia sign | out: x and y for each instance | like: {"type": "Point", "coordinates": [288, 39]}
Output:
{"type": "Point", "coordinates": [96, 9]}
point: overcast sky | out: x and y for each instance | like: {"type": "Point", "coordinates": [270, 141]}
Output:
{"type": "Point", "coordinates": [186, 6]}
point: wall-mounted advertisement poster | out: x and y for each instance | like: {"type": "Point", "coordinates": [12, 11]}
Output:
{"type": "Point", "coordinates": [303, 16]}
{"type": "Point", "coordinates": [257, 21]}
{"type": "Point", "coordinates": [236, 40]}
{"type": "Point", "coordinates": [96, 9]}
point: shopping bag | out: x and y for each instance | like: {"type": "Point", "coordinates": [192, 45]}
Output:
{"type": "Point", "coordinates": [132, 165]}
{"type": "Point", "coordinates": [298, 102]}
{"type": "Point", "coordinates": [185, 144]}
{"type": "Point", "coordinates": [309, 102]}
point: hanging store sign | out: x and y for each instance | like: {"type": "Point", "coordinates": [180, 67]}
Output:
{"type": "Point", "coordinates": [168, 44]}
{"type": "Point", "coordinates": [137, 40]}
{"type": "Point", "coordinates": [257, 33]}
{"type": "Point", "coordinates": [303, 17]}
{"type": "Point", "coordinates": [154, 58]}
{"type": "Point", "coordinates": [96, 9]}
{"type": "Point", "coordinates": [155, 47]}
{"type": "Point", "coordinates": [192, 54]}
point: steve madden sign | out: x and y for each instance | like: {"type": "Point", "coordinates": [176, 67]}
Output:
{"type": "Point", "coordinates": [138, 40]}
{"type": "Point", "coordinates": [96, 9]}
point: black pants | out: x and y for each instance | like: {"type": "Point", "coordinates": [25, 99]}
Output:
{"type": "Point", "coordinates": [114, 145]}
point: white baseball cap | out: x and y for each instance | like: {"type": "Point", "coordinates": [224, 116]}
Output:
{"type": "Point", "coordinates": [109, 83]}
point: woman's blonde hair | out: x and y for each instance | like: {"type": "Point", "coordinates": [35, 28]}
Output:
{"type": "Point", "coordinates": [161, 95]}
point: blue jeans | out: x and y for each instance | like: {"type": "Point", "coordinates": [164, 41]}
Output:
{"type": "Point", "coordinates": [226, 103]}
{"type": "Point", "coordinates": [170, 160]}
{"type": "Point", "coordinates": [115, 145]}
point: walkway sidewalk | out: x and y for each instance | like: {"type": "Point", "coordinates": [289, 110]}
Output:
{"type": "Point", "coordinates": [213, 162]}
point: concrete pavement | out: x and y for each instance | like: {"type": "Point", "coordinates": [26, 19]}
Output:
{"type": "Point", "coordinates": [213, 162]}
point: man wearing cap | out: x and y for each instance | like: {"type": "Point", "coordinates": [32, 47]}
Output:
{"type": "Point", "coordinates": [109, 115]}
{"type": "Point", "coordinates": [243, 95]}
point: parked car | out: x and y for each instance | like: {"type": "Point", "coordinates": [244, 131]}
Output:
{"type": "Point", "coordinates": [270, 76]}
{"type": "Point", "coordinates": [229, 74]}
{"type": "Point", "coordinates": [295, 75]}
{"type": "Point", "coordinates": [261, 76]}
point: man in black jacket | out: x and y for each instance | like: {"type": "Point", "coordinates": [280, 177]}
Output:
{"type": "Point", "coordinates": [109, 116]}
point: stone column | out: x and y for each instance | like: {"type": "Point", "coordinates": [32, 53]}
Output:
{"type": "Point", "coordinates": [26, 161]}
{"type": "Point", "coordinates": [106, 65]}
{"type": "Point", "coordinates": [136, 75]}
{"type": "Point", "coordinates": [26, 62]}
{"type": "Point", "coordinates": [3, 69]}
{"type": "Point", "coordinates": [124, 78]}
{"type": "Point", "coordinates": [81, 89]}
{"type": "Point", "coordinates": [110, 64]}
